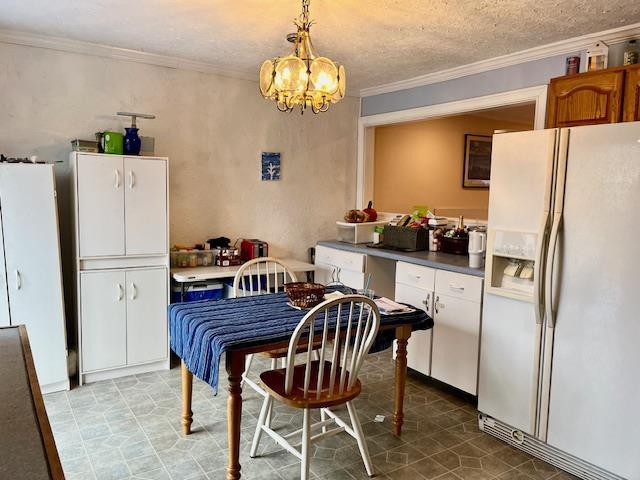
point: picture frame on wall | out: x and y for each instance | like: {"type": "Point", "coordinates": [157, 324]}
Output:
{"type": "Point", "coordinates": [270, 166]}
{"type": "Point", "coordinates": [477, 161]}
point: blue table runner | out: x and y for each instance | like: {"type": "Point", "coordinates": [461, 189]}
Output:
{"type": "Point", "coordinates": [202, 331]}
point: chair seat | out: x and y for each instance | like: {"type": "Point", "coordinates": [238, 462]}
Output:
{"type": "Point", "coordinates": [273, 383]}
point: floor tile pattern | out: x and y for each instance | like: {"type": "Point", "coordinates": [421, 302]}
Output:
{"type": "Point", "coordinates": [129, 428]}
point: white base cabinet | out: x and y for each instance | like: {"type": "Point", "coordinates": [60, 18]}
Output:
{"type": "Point", "coordinates": [123, 317]}
{"type": "Point", "coordinates": [121, 246]}
{"type": "Point", "coordinates": [147, 332]}
{"type": "Point", "coordinates": [456, 342]}
{"type": "Point", "coordinates": [414, 286]}
{"type": "Point", "coordinates": [103, 320]}
{"type": "Point", "coordinates": [450, 351]}
{"type": "Point", "coordinates": [337, 266]}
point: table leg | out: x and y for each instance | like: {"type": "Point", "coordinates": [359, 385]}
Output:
{"type": "Point", "coordinates": [235, 368]}
{"type": "Point", "coordinates": [181, 292]}
{"type": "Point", "coordinates": [402, 336]}
{"type": "Point", "coordinates": [187, 390]}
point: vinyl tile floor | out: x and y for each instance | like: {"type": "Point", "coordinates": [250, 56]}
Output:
{"type": "Point", "coordinates": [129, 428]}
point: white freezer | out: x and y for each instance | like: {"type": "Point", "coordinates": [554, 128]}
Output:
{"type": "Point", "coordinates": [521, 175]}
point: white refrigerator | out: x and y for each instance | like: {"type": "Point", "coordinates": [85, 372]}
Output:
{"type": "Point", "coordinates": [560, 346]}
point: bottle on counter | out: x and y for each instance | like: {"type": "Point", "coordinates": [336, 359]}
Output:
{"type": "Point", "coordinates": [631, 53]}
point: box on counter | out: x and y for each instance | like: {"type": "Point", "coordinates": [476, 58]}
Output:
{"type": "Point", "coordinates": [357, 232]}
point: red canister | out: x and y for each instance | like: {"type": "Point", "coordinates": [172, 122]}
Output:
{"type": "Point", "coordinates": [573, 65]}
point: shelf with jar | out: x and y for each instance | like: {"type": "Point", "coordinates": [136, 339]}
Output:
{"type": "Point", "coordinates": [191, 257]}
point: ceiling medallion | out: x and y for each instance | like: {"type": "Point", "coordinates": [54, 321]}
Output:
{"type": "Point", "coordinates": [302, 78]}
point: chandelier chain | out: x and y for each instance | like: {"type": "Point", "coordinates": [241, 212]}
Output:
{"type": "Point", "coordinates": [304, 17]}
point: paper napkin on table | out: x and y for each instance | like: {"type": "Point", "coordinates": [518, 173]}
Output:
{"type": "Point", "coordinates": [387, 306]}
{"type": "Point", "coordinates": [333, 295]}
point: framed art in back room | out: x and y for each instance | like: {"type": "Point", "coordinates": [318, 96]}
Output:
{"type": "Point", "coordinates": [477, 161]}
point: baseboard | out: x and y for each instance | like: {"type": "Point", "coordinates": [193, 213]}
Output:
{"type": "Point", "coordinates": [91, 377]}
{"type": "Point", "coordinates": [444, 387]}
{"type": "Point", "coordinates": [55, 387]}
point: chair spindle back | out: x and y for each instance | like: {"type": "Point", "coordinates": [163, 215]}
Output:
{"type": "Point", "coordinates": [267, 267]}
{"type": "Point", "coordinates": [352, 322]}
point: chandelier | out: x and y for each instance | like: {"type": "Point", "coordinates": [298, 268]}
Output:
{"type": "Point", "coordinates": [302, 78]}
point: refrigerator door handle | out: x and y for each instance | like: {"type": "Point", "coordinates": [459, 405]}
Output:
{"type": "Point", "coordinates": [548, 294]}
{"type": "Point", "coordinates": [537, 275]}
{"type": "Point", "coordinates": [539, 313]}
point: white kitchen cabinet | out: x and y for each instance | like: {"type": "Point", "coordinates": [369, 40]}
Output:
{"type": "Point", "coordinates": [145, 205]}
{"type": "Point", "coordinates": [449, 352]}
{"type": "Point", "coordinates": [456, 342]}
{"type": "Point", "coordinates": [122, 205]}
{"type": "Point", "coordinates": [339, 266]}
{"type": "Point", "coordinates": [122, 260]}
{"type": "Point", "coordinates": [146, 315]}
{"type": "Point", "coordinates": [419, 345]}
{"type": "Point", "coordinates": [31, 287]}
{"type": "Point", "coordinates": [100, 205]}
{"type": "Point", "coordinates": [104, 320]}
{"type": "Point", "coordinates": [124, 320]}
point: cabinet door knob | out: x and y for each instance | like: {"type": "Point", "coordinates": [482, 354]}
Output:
{"type": "Point", "coordinates": [117, 175]}
{"type": "Point", "coordinates": [132, 179]}
{"type": "Point", "coordinates": [456, 286]}
{"type": "Point", "coordinates": [120, 294]}
{"type": "Point", "coordinates": [134, 291]}
{"type": "Point", "coordinates": [18, 280]}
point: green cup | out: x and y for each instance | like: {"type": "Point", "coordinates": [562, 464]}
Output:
{"type": "Point", "coordinates": [112, 142]}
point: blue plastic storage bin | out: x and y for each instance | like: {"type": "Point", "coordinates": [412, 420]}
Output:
{"type": "Point", "coordinates": [198, 291]}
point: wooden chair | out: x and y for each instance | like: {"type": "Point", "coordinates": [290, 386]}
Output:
{"type": "Point", "coordinates": [258, 277]}
{"type": "Point", "coordinates": [352, 323]}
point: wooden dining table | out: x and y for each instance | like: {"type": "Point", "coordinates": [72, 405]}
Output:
{"type": "Point", "coordinates": [202, 331]}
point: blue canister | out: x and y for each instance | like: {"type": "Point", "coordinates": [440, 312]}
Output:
{"type": "Point", "coordinates": [131, 141]}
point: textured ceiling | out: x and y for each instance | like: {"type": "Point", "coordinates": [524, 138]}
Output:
{"type": "Point", "coordinates": [378, 41]}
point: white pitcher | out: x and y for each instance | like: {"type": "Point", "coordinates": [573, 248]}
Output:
{"type": "Point", "coordinates": [477, 247]}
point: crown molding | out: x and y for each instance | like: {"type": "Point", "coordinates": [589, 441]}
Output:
{"type": "Point", "coordinates": [86, 48]}
{"type": "Point", "coordinates": [571, 45]}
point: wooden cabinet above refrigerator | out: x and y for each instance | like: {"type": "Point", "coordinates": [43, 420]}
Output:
{"type": "Point", "coordinates": [604, 96]}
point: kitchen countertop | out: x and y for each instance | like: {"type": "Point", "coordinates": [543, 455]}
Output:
{"type": "Point", "coordinates": [438, 260]}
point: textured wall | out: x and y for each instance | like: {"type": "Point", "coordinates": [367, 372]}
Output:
{"type": "Point", "coordinates": [212, 128]}
{"type": "Point", "coordinates": [421, 164]}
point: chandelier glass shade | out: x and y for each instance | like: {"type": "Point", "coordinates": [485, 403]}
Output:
{"type": "Point", "coordinates": [302, 79]}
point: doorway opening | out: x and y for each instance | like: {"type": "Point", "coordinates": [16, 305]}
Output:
{"type": "Point", "coordinates": [418, 156]}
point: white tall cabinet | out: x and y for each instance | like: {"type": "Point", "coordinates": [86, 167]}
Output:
{"type": "Point", "coordinates": [30, 267]}
{"type": "Point", "coordinates": [121, 246]}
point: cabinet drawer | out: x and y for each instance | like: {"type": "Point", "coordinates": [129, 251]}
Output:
{"type": "Point", "coordinates": [459, 285]}
{"type": "Point", "coordinates": [353, 262]}
{"type": "Point", "coordinates": [415, 275]}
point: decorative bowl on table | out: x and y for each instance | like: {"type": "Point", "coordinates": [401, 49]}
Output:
{"type": "Point", "coordinates": [304, 294]}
